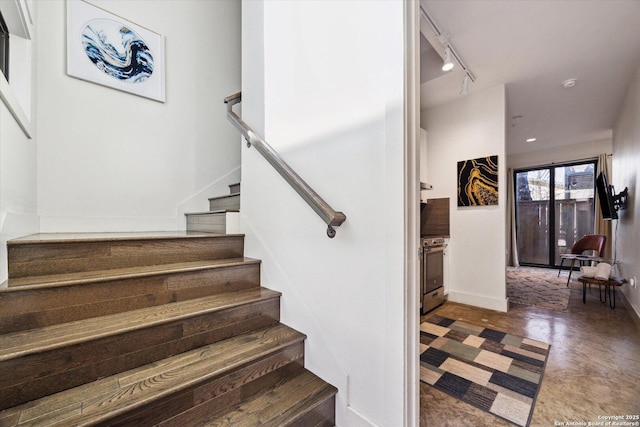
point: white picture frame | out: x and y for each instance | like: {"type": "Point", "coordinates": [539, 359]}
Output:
{"type": "Point", "coordinates": [108, 50]}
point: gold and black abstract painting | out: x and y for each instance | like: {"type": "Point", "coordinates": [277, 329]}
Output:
{"type": "Point", "coordinates": [478, 182]}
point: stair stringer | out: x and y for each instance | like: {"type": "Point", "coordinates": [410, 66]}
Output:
{"type": "Point", "coordinates": [331, 370]}
{"type": "Point", "coordinates": [233, 223]}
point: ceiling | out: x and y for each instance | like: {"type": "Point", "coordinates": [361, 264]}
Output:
{"type": "Point", "coordinates": [532, 47]}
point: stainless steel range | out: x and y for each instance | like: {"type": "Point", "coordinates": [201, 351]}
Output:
{"type": "Point", "coordinates": [432, 273]}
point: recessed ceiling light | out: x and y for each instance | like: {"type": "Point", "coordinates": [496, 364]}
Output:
{"type": "Point", "coordinates": [531, 140]}
{"type": "Point", "coordinates": [569, 83]}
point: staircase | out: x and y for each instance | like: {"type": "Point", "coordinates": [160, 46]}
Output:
{"type": "Point", "coordinates": [222, 216]}
{"type": "Point", "coordinates": [169, 329]}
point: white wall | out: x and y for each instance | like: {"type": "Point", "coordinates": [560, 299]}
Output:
{"type": "Point", "coordinates": [626, 158]}
{"type": "Point", "coordinates": [471, 127]}
{"type": "Point", "coordinates": [18, 164]}
{"type": "Point", "coordinates": [330, 98]}
{"type": "Point", "coordinates": [18, 176]}
{"type": "Point", "coordinates": [112, 161]}
{"type": "Point", "coordinates": [570, 153]}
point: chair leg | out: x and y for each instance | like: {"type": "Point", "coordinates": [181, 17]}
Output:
{"type": "Point", "coordinates": [573, 261]}
{"type": "Point", "coordinates": [612, 298]}
{"type": "Point", "coordinates": [560, 269]}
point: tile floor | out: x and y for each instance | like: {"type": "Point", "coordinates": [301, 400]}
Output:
{"type": "Point", "coordinates": [593, 368]}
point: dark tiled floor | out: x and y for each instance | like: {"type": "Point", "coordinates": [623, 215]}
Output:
{"type": "Point", "coordinates": [593, 368]}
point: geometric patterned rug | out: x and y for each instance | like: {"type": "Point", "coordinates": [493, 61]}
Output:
{"type": "Point", "coordinates": [538, 286]}
{"type": "Point", "coordinates": [497, 372]}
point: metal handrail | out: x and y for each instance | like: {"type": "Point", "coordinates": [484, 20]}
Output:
{"type": "Point", "coordinates": [331, 217]}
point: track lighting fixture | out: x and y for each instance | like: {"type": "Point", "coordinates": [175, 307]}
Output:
{"type": "Point", "coordinates": [450, 53]}
{"type": "Point", "coordinates": [447, 65]}
{"type": "Point", "coordinates": [465, 85]}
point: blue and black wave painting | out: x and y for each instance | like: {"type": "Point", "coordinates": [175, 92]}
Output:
{"type": "Point", "coordinates": [117, 51]}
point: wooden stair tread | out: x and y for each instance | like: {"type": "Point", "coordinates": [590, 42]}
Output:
{"type": "Point", "coordinates": [82, 277]}
{"type": "Point", "coordinates": [226, 196]}
{"type": "Point", "coordinates": [102, 399]}
{"type": "Point", "coordinates": [213, 212]}
{"type": "Point", "coordinates": [85, 237]}
{"type": "Point", "coordinates": [21, 343]}
{"type": "Point", "coordinates": [280, 405]}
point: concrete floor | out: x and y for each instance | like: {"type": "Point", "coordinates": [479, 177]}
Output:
{"type": "Point", "coordinates": [593, 368]}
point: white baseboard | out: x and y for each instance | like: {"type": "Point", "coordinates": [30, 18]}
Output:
{"type": "Point", "coordinates": [633, 310]}
{"type": "Point", "coordinates": [499, 304]}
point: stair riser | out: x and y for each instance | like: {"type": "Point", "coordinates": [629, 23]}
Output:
{"type": "Point", "coordinates": [37, 259]}
{"type": "Point", "coordinates": [28, 309]}
{"type": "Point", "coordinates": [234, 188]}
{"type": "Point", "coordinates": [209, 223]}
{"type": "Point", "coordinates": [225, 203]}
{"type": "Point", "coordinates": [322, 415]}
{"type": "Point", "coordinates": [37, 375]}
{"type": "Point", "coordinates": [217, 229]}
{"type": "Point", "coordinates": [202, 400]}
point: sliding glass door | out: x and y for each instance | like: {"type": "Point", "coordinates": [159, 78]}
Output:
{"type": "Point", "coordinates": [554, 208]}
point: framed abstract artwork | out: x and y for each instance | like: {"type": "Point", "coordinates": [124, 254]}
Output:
{"type": "Point", "coordinates": [109, 50]}
{"type": "Point", "coordinates": [478, 182]}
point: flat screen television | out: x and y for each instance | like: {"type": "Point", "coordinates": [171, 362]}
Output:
{"type": "Point", "coordinates": [606, 198]}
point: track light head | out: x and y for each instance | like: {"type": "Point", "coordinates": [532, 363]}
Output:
{"type": "Point", "coordinates": [465, 85]}
{"type": "Point", "coordinates": [447, 65]}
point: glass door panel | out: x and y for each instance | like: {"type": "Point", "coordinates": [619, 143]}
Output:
{"type": "Point", "coordinates": [554, 208]}
{"type": "Point", "coordinates": [532, 215]}
{"type": "Point", "coordinates": [574, 205]}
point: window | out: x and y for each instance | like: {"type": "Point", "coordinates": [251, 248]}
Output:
{"type": "Point", "coordinates": [16, 33]}
{"type": "Point", "coordinates": [4, 48]}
